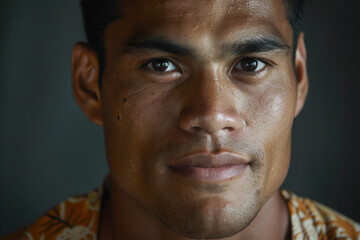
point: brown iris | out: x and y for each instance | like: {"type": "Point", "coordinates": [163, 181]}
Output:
{"type": "Point", "coordinates": [160, 65]}
{"type": "Point", "coordinates": [249, 64]}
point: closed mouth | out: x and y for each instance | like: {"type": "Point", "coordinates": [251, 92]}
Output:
{"type": "Point", "coordinates": [210, 167]}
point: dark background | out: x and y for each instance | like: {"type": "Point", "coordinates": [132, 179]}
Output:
{"type": "Point", "coordinates": [49, 150]}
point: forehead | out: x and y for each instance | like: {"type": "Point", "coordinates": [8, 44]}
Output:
{"type": "Point", "coordinates": [209, 20]}
{"type": "Point", "coordinates": [214, 8]}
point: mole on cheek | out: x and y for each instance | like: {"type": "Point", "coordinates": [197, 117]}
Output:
{"type": "Point", "coordinates": [124, 100]}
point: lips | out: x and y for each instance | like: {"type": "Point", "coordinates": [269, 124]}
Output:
{"type": "Point", "coordinates": [210, 167]}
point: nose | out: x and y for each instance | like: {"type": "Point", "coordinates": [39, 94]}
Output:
{"type": "Point", "coordinates": [210, 105]}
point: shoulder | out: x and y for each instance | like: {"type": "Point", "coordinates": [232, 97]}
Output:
{"type": "Point", "coordinates": [312, 220]}
{"type": "Point", "coordinates": [75, 218]}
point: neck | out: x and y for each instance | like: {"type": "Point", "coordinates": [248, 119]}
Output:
{"type": "Point", "coordinates": [123, 217]}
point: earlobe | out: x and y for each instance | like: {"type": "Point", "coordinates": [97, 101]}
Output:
{"type": "Point", "coordinates": [85, 73]}
{"type": "Point", "coordinates": [301, 74]}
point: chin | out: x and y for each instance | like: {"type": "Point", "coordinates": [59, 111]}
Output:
{"type": "Point", "coordinates": [211, 218]}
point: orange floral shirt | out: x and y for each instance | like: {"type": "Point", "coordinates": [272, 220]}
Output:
{"type": "Point", "coordinates": [77, 218]}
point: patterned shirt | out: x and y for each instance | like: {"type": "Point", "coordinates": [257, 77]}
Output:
{"type": "Point", "coordinates": [77, 218]}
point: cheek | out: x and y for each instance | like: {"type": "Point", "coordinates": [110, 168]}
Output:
{"type": "Point", "coordinates": [270, 119]}
{"type": "Point", "coordinates": [271, 111]}
{"type": "Point", "coordinates": [134, 125]}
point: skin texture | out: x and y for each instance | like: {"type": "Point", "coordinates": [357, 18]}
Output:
{"type": "Point", "coordinates": [205, 103]}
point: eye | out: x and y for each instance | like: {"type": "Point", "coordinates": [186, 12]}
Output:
{"type": "Point", "coordinates": [161, 65]}
{"type": "Point", "coordinates": [250, 65]}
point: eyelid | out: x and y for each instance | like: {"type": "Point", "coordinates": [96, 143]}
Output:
{"type": "Point", "coordinates": [145, 63]}
{"type": "Point", "coordinates": [237, 61]}
{"type": "Point", "coordinates": [151, 75]}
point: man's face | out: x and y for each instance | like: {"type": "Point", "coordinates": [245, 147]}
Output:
{"type": "Point", "coordinates": [198, 99]}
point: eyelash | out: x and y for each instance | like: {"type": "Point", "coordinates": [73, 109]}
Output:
{"type": "Point", "coordinates": [144, 64]}
{"type": "Point", "coordinates": [266, 63]}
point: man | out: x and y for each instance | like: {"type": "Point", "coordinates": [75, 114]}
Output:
{"type": "Point", "coordinates": [197, 100]}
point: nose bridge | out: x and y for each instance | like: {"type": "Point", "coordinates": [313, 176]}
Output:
{"type": "Point", "coordinates": [212, 90]}
{"type": "Point", "coordinates": [210, 105]}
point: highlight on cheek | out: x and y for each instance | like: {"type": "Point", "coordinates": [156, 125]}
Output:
{"type": "Point", "coordinates": [277, 105]}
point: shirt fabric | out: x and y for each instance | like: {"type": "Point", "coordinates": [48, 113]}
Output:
{"type": "Point", "coordinates": [77, 218]}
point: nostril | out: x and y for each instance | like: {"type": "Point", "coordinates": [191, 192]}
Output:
{"type": "Point", "coordinates": [210, 120]}
{"type": "Point", "coordinates": [230, 129]}
{"type": "Point", "coordinates": [196, 129]}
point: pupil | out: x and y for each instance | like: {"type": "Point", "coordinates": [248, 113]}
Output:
{"type": "Point", "coordinates": [249, 65]}
{"type": "Point", "coordinates": [160, 65]}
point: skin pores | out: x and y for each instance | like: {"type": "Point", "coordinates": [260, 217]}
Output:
{"type": "Point", "coordinates": [177, 83]}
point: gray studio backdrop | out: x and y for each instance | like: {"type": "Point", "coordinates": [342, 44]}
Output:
{"type": "Point", "coordinates": [49, 150]}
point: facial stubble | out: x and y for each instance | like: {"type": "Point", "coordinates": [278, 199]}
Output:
{"type": "Point", "coordinates": [213, 211]}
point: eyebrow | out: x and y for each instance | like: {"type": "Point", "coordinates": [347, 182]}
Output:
{"type": "Point", "coordinates": [159, 44]}
{"type": "Point", "coordinates": [255, 45]}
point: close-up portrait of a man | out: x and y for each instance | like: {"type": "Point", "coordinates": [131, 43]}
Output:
{"type": "Point", "coordinates": [196, 101]}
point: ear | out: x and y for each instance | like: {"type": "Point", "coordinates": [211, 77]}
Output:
{"type": "Point", "coordinates": [85, 75]}
{"type": "Point", "coordinates": [301, 74]}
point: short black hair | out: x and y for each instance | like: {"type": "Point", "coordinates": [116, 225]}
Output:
{"type": "Point", "coordinates": [295, 16]}
{"type": "Point", "coordinates": [98, 14]}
